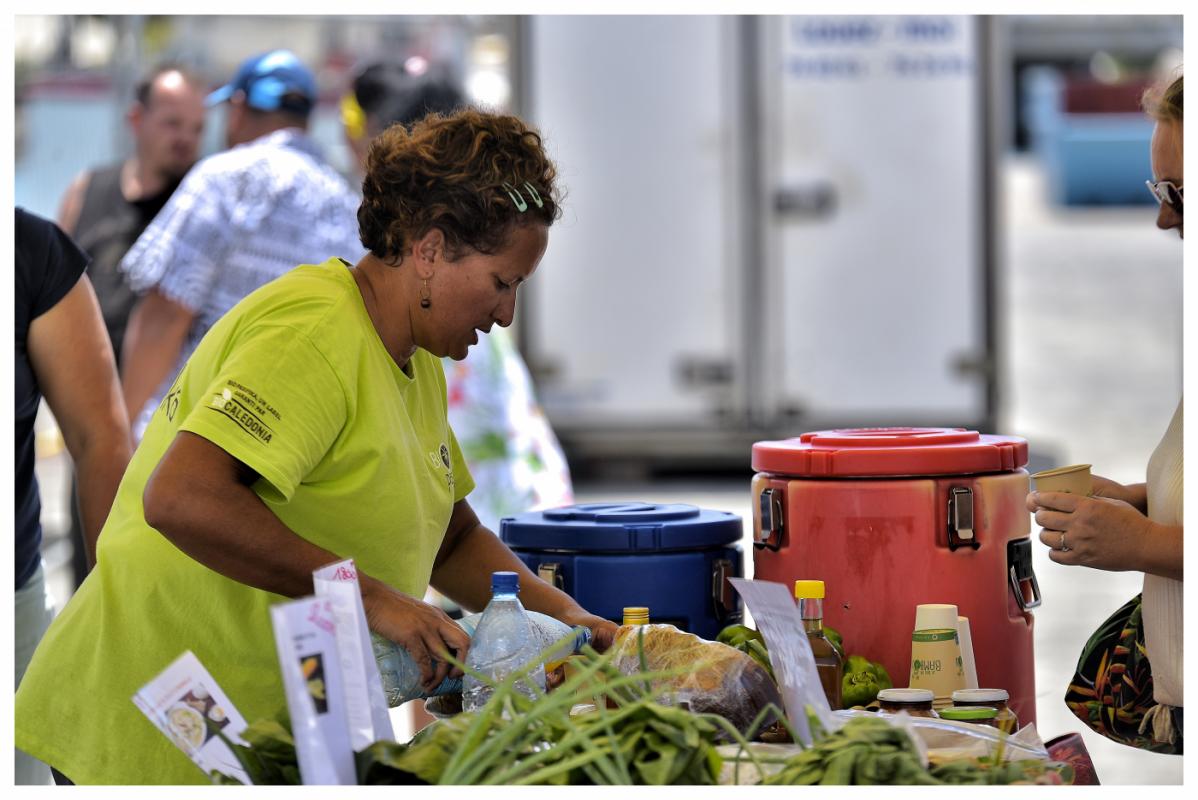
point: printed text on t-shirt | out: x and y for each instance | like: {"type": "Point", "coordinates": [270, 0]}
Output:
{"type": "Point", "coordinates": [243, 408]}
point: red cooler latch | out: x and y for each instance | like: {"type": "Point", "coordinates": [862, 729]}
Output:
{"type": "Point", "coordinates": [1023, 578]}
{"type": "Point", "coordinates": [961, 532]}
{"type": "Point", "coordinates": [769, 534]}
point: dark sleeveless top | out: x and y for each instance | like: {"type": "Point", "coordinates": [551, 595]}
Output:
{"type": "Point", "coordinates": [108, 226]}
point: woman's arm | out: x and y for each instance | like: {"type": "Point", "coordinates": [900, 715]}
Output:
{"type": "Point", "coordinates": [1134, 494]}
{"type": "Point", "coordinates": [75, 368]}
{"type": "Point", "coordinates": [471, 552]}
{"type": "Point", "coordinates": [154, 338]}
{"type": "Point", "coordinates": [1106, 534]}
{"type": "Point", "coordinates": [200, 498]}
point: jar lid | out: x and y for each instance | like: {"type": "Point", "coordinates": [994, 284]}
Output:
{"type": "Point", "coordinates": [809, 590]}
{"type": "Point", "coordinates": [981, 696]}
{"type": "Point", "coordinates": [968, 713]}
{"type": "Point", "coordinates": [906, 696]}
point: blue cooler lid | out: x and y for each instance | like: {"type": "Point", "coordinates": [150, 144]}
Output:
{"type": "Point", "coordinates": [621, 528]}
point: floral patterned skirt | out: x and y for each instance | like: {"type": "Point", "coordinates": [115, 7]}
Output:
{"type": "Point", "coordinates": [1111, 691]}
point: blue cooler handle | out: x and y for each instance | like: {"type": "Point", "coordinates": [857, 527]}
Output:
{"type": "Point", "coordinates": [722, 595]}
{"type": "Point", "coordinates": [551, 573]}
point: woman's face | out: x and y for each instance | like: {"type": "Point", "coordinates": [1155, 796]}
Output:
{"type": "Point", "coordinates": [1167, 166]}
{"type": "Point", "coordinates": [476, 291]}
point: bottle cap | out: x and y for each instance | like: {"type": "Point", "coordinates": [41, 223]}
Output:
{"type": "Point", "coordinates": [968, 713]}
{"type": "Point", "coordinates": [981, 696]}
{"type": "Point", "coordinates": [636, 615]}
{"type": "Point", "coordinates": [809, 590]}
{"type": "Point", "coordinates": [505, 583]}
{"type": "Point", "coordinates": [935, 617]}
{"type": "Point", "coordinates": [906, 696]}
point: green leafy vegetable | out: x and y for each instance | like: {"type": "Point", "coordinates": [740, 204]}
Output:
{"type": "Point", "coordinates": [749, 642]}
{"type": "Point", "coordinates": [862, 681]}
{"type": "Point", "coordinates": [870, 751]}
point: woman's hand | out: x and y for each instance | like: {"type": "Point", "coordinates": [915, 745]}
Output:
{"type": "Point", "coordinates": [425, 631]}
{"type": "Point", "coordinates": [1097, 532]}
{"type": "Point", "coordinates": [603, 631]}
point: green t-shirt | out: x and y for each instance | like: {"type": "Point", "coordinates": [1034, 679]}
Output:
{"type": "Point", "coordinates": [355, 455]}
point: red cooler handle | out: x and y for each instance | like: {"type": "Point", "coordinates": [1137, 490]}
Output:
{"type": "Point", "coordinates": [1019, 559]}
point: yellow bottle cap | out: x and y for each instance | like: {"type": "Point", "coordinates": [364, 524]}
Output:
{"type": "Point", "coordinates": [809, 590]}
{"type": "Point", "coordinates": [636, 615]}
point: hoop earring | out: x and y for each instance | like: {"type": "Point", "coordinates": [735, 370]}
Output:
{"type": "Point", "coordinates": [425, 295]}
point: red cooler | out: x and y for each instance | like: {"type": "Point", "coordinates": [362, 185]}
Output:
{"type": "Point", "coordinates": [890, 518]}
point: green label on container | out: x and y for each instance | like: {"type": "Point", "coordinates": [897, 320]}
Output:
{"type": "Point", "coordinates": [945, 635]}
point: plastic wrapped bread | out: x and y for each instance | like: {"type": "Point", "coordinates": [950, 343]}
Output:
{"type": "Point", "coordinates": [718, 679]}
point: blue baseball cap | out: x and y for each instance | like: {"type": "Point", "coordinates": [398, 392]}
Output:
{"type": "Point", "coordinates": [274, 81]}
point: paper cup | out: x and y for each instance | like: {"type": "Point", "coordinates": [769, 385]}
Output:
{"type": "Point", "coordinates": [1074, 479]}
{"type": "Point", "coordinates": [936, 661]}
{"type": "Point", "coordinates": [935, 616]}
{"type": "Point", "coordinates": [965, 638]}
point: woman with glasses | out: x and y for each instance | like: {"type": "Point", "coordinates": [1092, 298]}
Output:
{"type": "Point", "coordinates": [1129, 681]}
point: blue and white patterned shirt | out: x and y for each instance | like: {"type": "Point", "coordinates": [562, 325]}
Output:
{"type": "Point", "coordinates": [240, 219]}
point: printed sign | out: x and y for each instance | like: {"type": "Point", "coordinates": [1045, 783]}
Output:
{"type": "Point", "coordinates": [365, 703]}
{"type": "Point", "coordinates": [305, 637]}
{"type": "Point", "coordinates": [185, 703]}
{"type": "Point", "coordinates": [777, 618]}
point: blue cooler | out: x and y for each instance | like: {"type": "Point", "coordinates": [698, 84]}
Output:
{"type": "Point", "coordinates": [676, 559]}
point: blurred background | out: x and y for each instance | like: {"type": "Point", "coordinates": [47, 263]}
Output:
{"type": "Point", "coordinates": [775, 224]}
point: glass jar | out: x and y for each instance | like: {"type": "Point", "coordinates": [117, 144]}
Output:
{"type": "Point", "coordinates": [916, 702]}
{"type": "Point", "coordinates": [1005, 719]}
{"type": "Point", "coordinates": [977, 715]}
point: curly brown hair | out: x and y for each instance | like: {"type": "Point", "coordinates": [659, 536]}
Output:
{"type": "Point", "coordinates": [1165, 104]}
{"type": "Point", "coordinates": [448, 171]}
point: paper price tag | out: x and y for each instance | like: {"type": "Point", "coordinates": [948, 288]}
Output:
{"type": "Point", "coordinates": [366, 705]}
{"type": "Point", "coordinates": [185, 703]}
{"type": "Point", "coordinates": [306, 641]}
{"type": "Point", "coordinates": [778, 619]}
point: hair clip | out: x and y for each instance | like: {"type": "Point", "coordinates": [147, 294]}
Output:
{"type": "Point", "coordinates": [517, 198]}
{"type": "Point", "coordinates": [536, 198]}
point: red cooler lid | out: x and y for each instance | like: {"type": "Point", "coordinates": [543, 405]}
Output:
{"type": "Point", "coordinates": [869, 452]}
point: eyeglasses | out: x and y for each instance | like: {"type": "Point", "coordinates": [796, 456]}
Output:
{"type": "Point", "coordinates": [1166, 192]}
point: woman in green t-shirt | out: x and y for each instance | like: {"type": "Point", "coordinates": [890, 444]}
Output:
{"type": "Point", "coordinates": [309, 426]}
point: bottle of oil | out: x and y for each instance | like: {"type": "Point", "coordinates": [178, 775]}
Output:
{"type": "Point", "coordinates": [829, 663]}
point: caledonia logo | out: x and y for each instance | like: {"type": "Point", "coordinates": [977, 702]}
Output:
{"type": "Point", "coordinates": [232, 407]}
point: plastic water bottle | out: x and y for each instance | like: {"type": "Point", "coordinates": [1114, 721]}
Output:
{"type": "Point", "coordinates": [503, 643]}
{"type": "Point", "coordinates": [401, 676]}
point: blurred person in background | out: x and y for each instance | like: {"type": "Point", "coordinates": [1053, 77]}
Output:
{"type": "Point", "coordinates": [513, 455]}
{"type": "Point", "coordinates": [240, 219]}
{"type": "Point", "coordinates": [105, 209]}
{"type": "Point", "coordinates": [1134, 661]}
{"type": "Point", "coordinates": [63, 355]}
{"type": "Point", "coordinates": [309, 426]}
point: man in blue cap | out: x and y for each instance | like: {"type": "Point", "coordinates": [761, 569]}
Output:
{"type": "Point", "coordinates": [240, 218]}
